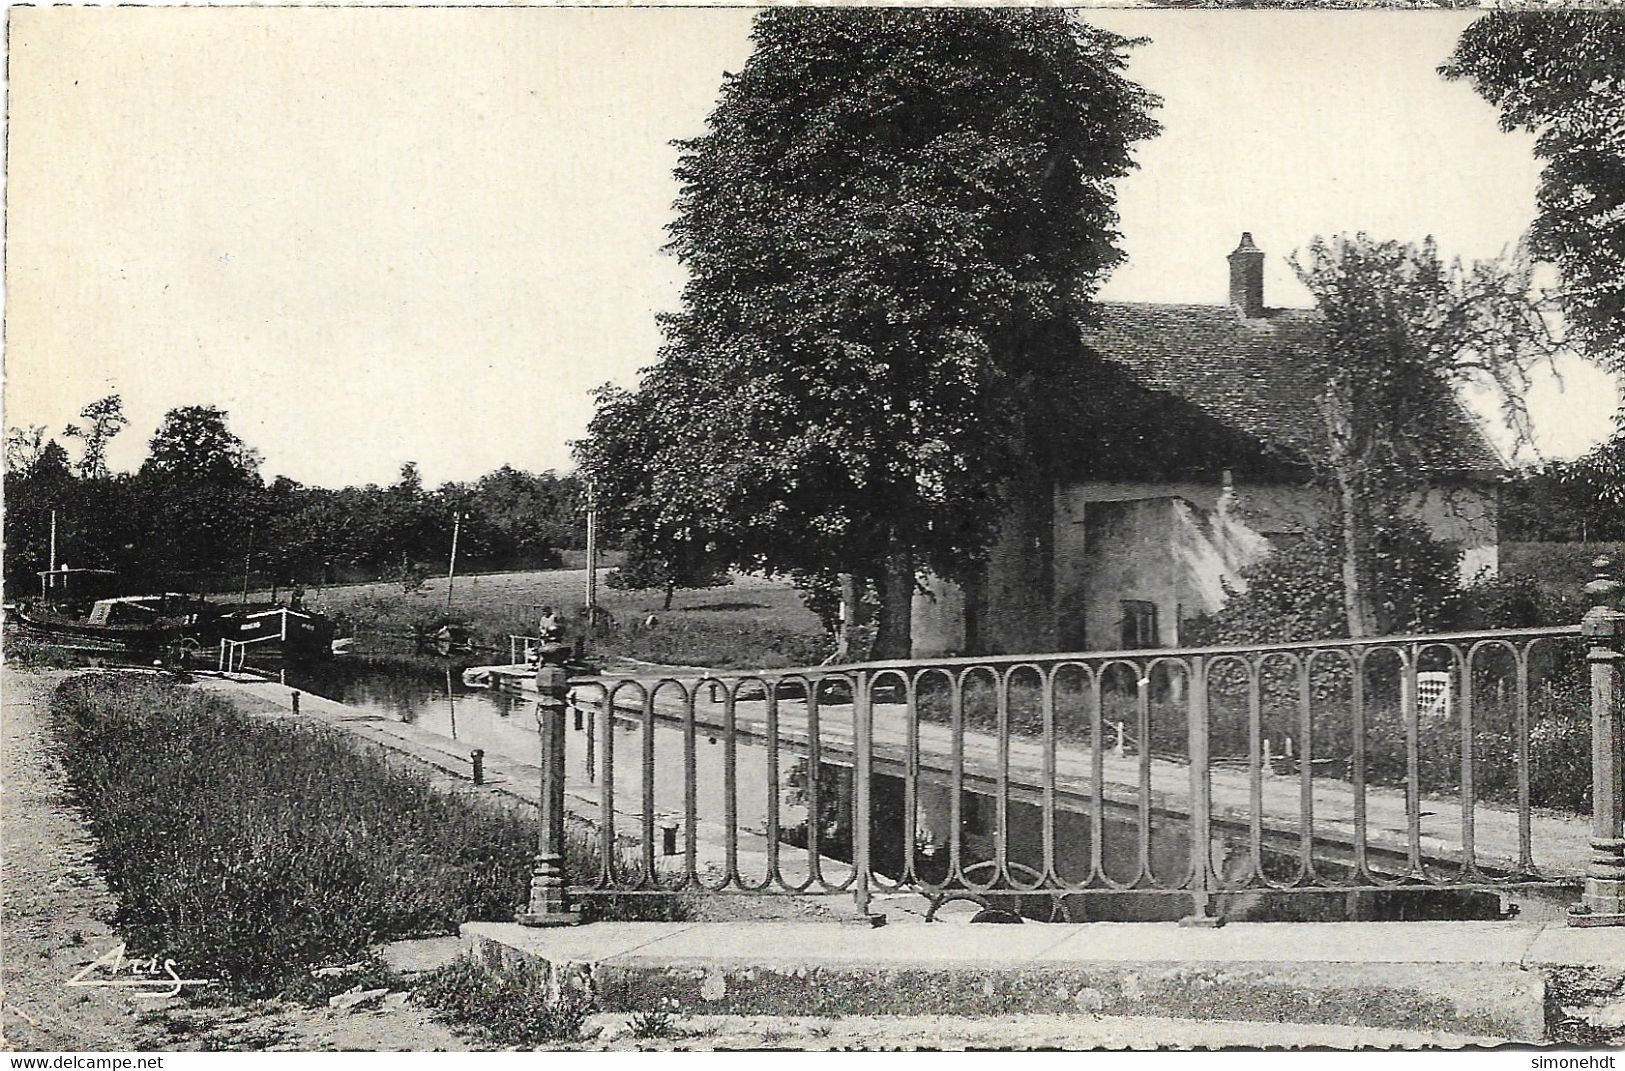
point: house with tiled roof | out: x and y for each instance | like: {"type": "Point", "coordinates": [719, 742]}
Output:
{"type": "Point", "coordinates": [1204, 445]}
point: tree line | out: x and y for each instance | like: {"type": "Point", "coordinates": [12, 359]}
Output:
{"type": "Point", "coordinates": [197, 515]}
{"type": "Point", "coordinates": [1568, 501]}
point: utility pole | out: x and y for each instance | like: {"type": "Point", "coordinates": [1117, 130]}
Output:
{"type": "Point", "coordinates": [247, 556]}
{"type": "Point", "coordinates": [592, 560]}
{"type": "Point", "coordinates": [50, 577]}
{"type": "Point", "coordinates": [451, 570]}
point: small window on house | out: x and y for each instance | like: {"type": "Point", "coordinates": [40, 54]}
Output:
{"type": "Point", "coordinates": [1139, 624]}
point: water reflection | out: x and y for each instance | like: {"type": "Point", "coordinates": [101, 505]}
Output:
{"type": "Point", "coordinates": [434, 698]}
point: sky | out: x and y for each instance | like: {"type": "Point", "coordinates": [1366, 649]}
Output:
{"type": "Point", "coordinates": [379, 236]}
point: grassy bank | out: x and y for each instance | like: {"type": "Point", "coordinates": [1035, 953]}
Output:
{"type": "Point", "coordinates": [251, 852]}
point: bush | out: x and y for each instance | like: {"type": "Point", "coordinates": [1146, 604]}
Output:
{"type": "Point", "coordinates": [23, 650]}
{"type": "Point", "coordinates": [645, 567]}
{"type": "Point", "coordinates": [253, 851]}
{"type": "Point", "coordinates": [1513, 600]}
{"type": "Point", "coordinates": [1296, 593]}
{"type": "Point", "coordinates": [511, 1007]}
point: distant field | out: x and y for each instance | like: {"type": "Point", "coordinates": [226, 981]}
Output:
{"type": "Point", "coordinates": [754, 622]}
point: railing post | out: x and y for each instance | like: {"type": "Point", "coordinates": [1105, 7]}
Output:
{"type": "Point", "coordinates": [549, 888]}
{"type": "Point", "coordinates": [1603, 901]}
{"type": "Point", "coordinates": [862, 812]}
{"type": "Point", "coordinates": [1201, 804]}
{"type": "Point", "coordinates": [860, 792]}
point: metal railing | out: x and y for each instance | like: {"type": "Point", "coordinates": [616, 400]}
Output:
{"type": "Point", "coordinates": [522, 649]}
{"type": "Point", "coordinates": [1202, 772]}
{"type": "Point", "coordinates": [233, 657]}
{"type": "Point", "coordinates": [233, 653]}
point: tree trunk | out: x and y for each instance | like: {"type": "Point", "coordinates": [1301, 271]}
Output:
{"type": "Point", "coordinates": [1356, 592]}
{"type": "Point", "coordinates": [893, 630]}
{"type": "Point", "coordinates": [1353, 524]}
{"type": "Point", "coordinates": [846, 640]}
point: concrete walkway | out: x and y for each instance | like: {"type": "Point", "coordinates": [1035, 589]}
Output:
{"type": "Point", "coordinates": [1467, 978]}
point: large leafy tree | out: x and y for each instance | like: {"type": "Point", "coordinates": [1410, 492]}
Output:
{"type": "Point", "coordinates": [194, 442]}
{"type": "Point", "coordinates": [891, 227]}
{"type": "Point", "coordinates": [203, 484]}
{"type": "Point", "coordinates": [103, 419]}
{"type": "Point", "coordinates": [1404, 331]}
{"type": "Point", "coordinates": [1561, 76]}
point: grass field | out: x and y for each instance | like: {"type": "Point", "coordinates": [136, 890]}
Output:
{"type": "Point", "coordinates": [752, 623]}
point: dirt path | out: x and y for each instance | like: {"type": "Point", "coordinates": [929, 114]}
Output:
{"type": "Point", "coordinates": [53, 903]}
{"type": "Point", "coordinates": [54, 912]}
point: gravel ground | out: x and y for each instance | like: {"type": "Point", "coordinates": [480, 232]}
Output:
{"type": "Point", "coordinates": [1021, 1032]}
{"type": "Point", "coordinates": [53, 903]}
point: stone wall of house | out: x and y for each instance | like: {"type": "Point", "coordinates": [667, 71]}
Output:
{"type": "Point", "coordinates": [938, 619]}
{"type": "Point", "coordinates": [1466, 514]}
{"type": "Point", "coordinates": [1013, 608]}
{"type": "Point", "coordinates": [1058, 576]}
{"type": "Point", "coordinates": [1163, 551]}
{"type": "Point", "coordinates": [1469, 516]}
{"type": "Point", "coordinates": [1267, 508]}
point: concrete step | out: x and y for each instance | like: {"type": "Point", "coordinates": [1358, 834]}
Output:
{"type": "Point", "coordinates": [1476, 979]}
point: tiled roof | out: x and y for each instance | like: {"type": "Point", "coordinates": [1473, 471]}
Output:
{"type": "Point", "coordinates": [1250, 374]}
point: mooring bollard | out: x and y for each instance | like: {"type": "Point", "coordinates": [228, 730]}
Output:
{"type": "Point", "coordinates": [296, 702]}
{"type": "Point", "coordinates": [1603, 901]}
{"type": "Point", "coordinates": [549, 887]}
{"type": "Point", "coordinates": [477, 757]}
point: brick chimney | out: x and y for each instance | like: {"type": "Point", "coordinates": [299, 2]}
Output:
{"type": "Point", "coordinates": [1247, 277]}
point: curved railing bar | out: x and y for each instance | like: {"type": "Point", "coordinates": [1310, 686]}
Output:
{"type": "Point", "coordinates": [1002, 853]}
{"type": "Point", "coordinates": [1306, 815]}
{"type": "Point", "coordinates": [957, 871]}
{"type": "Point", "coordinates": [1368, 657]}
{"type": "Point", "coordinates": [879, 882]}
{"type": "Point", "coordinates": [1255, 766]}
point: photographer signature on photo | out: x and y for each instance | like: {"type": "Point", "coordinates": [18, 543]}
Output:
{"type": "Point", "coordinates": [112, 970]}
